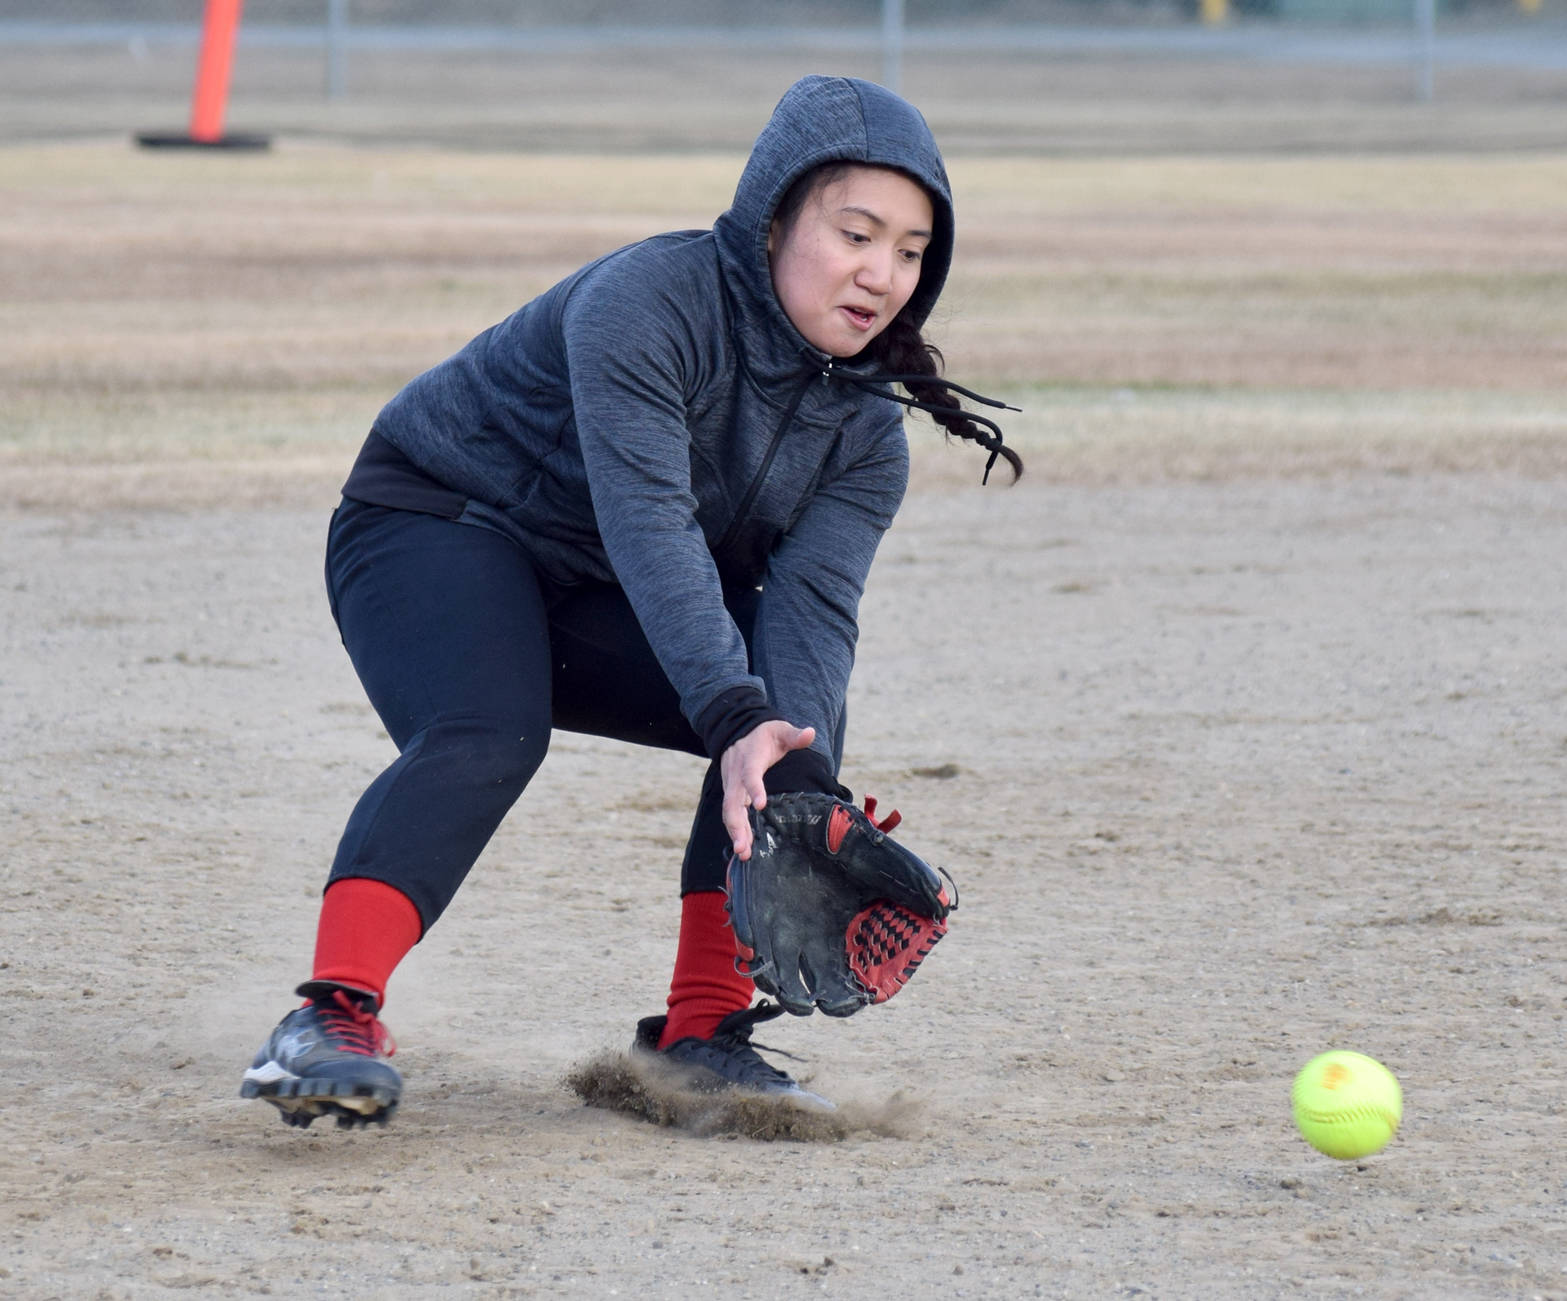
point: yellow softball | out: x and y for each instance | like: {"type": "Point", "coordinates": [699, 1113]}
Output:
{"type": "Point", "coordinates": [1347, 1105]}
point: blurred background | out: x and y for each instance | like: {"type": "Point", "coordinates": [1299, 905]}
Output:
{"type": "Point", "coordinates": [1050, 76]}
{"type": "Point", "coordinates": [1197, 237]}
{"type": "Point", "coordinates": [1243, 709]}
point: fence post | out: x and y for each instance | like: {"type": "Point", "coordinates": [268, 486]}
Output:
{"type": "Point", "coordinates": [892, 45]}
{"type": "Point", "coordinates": [1425, 58]}
{"type": "Point", "coordinates": [336, 48]}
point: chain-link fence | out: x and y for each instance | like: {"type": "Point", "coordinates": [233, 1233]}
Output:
{"type": "Point", "coordinates": [995, 17]}
{"type": "Point", "coordinates": [1056, 76]}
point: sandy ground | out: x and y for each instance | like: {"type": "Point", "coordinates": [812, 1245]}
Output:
{"type": "Point", "coordinates": [1231, 772]}
{"type": "Point", "coordinates": [1240, 722]}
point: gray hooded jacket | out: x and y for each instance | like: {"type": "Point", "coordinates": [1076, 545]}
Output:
{"type": "Point", "coordinates": [655, 420]}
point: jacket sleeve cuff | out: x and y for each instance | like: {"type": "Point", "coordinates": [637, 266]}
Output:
{"type": "Point", "coordinates": [742, 710]}
{"type": "Point", "coordinates": [734, 713]}
{"type": "Point", "coordinates": [805, 770]}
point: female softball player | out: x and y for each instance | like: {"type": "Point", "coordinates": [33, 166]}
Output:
{"type": "Point", "coordinates": [641, 507]}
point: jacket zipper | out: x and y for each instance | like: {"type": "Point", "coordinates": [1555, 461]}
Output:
{"type": "Point", "coordinates": [755, 488]}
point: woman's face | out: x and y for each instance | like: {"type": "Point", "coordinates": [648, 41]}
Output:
{"type": "Point", "coordinates": [851, 260]}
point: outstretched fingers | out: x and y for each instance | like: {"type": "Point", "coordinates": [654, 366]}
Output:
{"type": "Point", "coordinates": [743, 768]}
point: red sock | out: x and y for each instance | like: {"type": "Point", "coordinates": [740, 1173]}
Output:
{"type": "Point", "coordinates": [706, 987]}
{"type": "Point", "coordinates": [366, 929]}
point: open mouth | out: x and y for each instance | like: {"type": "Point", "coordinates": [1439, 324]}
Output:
{"type": "Point", "coordinates": [860, 318]}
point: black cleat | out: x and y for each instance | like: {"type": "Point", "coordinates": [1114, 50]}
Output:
{"type": "Point", "coordinates": [328, 1058]}
{"type": "Point", "coordinates": [727, 1061]}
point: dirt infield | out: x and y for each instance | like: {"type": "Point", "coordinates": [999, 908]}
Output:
{"type": "Point", "coordinates": [1239, 722]}
{"type": "Point", "coordinates": [1229, 773]}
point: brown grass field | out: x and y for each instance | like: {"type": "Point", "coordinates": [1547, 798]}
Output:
{"type": "Point", "coordinates": [1239, 720]}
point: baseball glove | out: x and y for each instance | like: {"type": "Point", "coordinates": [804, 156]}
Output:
{"type": "Point", "coordinates": [829, 912]}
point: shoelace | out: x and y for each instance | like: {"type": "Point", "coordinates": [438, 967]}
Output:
{"type": "Point", "coordinates": [757, 1066]}
{"type": "Point", "coordinates": [738, 1039]}
{"type": "Point", "coordinates": [355, 1028]}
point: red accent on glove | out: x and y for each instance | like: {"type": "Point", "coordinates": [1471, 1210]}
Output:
{"type": "Point", "coordinates": [838, 824]}
{"type": "Point", "coordinates": [706, 987]}
{"type": "Point", "coordinates": [366, 928]}
{"type": "Point", "coordinates": [887, 943]}
{"type": "Point", "coordinates": [887, 823]}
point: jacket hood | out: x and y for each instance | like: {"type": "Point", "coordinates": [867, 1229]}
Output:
{"type": "Point", "coordinates": [822, 120]}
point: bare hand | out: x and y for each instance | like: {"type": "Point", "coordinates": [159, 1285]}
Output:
{"type": "Point", "coordinates": [741, 767]}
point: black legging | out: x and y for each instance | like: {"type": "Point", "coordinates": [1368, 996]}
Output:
{"type": "Point", "coordinates": [470, 659]}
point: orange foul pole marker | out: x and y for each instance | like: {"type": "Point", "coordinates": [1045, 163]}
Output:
{"type": "Point", "coordinates": [210, 98]}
